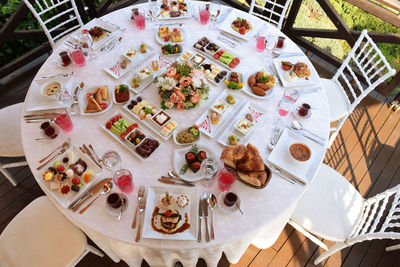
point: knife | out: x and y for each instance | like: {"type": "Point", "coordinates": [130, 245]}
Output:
{"type": "Point", "coordinates": [231, 37]}
{"type": "Point", "coordinates": [309, 91]}
{"type": "Point", "coordinates": [176, 180]}
{"type": "Point", "coordinates": [205, 214]}
{"type": "Point", "coordinates": [200, 214]}
{"type": "Point", "coordinates": [91, 156]}
{"type": "Point", "coordinates": [223, 15]}
{"type": "Point", "coordinates": [166, 181]}
{"type": "Point", "coordinates": [306, 136]}
{"type": "Point", "coordinates": [89, 193]}
{"type": "Point", "coordinates": [284, 174]}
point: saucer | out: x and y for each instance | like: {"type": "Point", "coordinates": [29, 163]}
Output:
{"type": "Point", "coordinates": [296, 114]}
{"type": "Point", "coordinates": [223, 207]}
{"type": "Point", "coordinates": [115, 212]}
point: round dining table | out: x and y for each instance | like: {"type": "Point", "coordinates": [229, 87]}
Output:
{"type": "Point", "coordinates": [265, 211]}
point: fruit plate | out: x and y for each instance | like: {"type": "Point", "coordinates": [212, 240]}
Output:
{"type": "Point", "coordinates": [180, 161]}
{"type": "Point", "coordinates": [258, 117]}
{"type": "Point", "coordinates": [204, 122]}
{"type": "Point", "coordinates": [151, 123]}
{"type": "Point", "coordinates": [128, 145]}
{"type": "Point", "coordinates": [312, 79]}
{"type": "Point", "coordinates": [247, 90]}
{"type": "Point", "coordinates": [83, 100]}
{"type": "Point", "coordinates": [66, 200]}
{"type": "Point", "coordinates": [162, 40]}
{"type": "Point", "coordinates": [113, 95]}
{"type": "Point", "coordinates": [227, 27]}
{"type": "Point", "coordinates": [189, 213]}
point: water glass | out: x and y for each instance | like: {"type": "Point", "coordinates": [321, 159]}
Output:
{"type": "Point", "coordinates": [111, 159]}
{"type": "Point", "coordinates": [123, 178]}
{"type": "Point", "coordinates": [270, 43]}
{"type": "Point", "coordinates": [214, 10]}
{"type": "Point", "coordinates": [204, 13]}
{"type": "Point", "coordinates": [226, 178]}
{"type": "Point", "coordinates": [154, 10]}
{"type": "Point", "coordinates": [86, 43]}
{"type": "Point", "coordinates": [209, 168]}
{"type": "Point", "coordinates": [65, 122]}
{"type": "Point", "coordinates": [140, 19]}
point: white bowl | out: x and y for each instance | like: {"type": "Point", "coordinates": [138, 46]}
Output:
{"type": "Point", "coordinates": [299, 160]}
{"type": "Point", "coordinates": [47, 86]}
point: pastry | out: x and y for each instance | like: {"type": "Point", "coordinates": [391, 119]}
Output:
{"type": "Point", "coordinates": [256, 178]}
{"type": "Point", "coordinates": [252, 160]}
{"type": "Point", "coordinates": [48, 176]}
{"type": "Point", "coordinates": [65, 189]}
{"type": "Point", "coordinates": [301, 70]}
{"type": "Point", "coordinates": [92, 105]}
{"type": "Point", "coordinates": [230, 155]}
{"type": "Point", "coordinates": [163, 32]}
{"type": "Point", "coordinates": [176, 36]}
{"type": "Point", "coordinates": [143, 48]}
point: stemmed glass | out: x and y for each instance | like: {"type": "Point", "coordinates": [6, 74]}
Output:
{"type": "Point", "coordinates": [86, 43]}
{"type": "Point", "coordinates": [154, 10]}
{"type": "Point", "coordinates": [214, 9]}
{"type": "Point", "coordinates": [270, 43]}
{"type": "Point", "coordinates": [209, 168]}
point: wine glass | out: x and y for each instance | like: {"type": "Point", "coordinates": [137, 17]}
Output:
{"type": "Point", "coordinates": [154, 10]}
{"type": "Point", "coordinates": [209, 168]}
{"type": "Point", "coordinates": [214, 9]}
{"type": "Point", "coordinates": [86, 43]}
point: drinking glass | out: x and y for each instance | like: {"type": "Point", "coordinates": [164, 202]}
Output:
{"type": "Point", "coordinates": [78, 57]}
{"type": "Point", "coordinates": [140, 19]}
{"type": "Point", "coordinates": [214, 10]}
{"type": "Point", "coordinates": [303, 110]}
{"type": "Point", "coordinates": [111, 159]}
{"type": "Point", "coordinates": [281, 42]}
{"type": "Point", "coordinates": [209, 168]}
{"type": "Point", "coordinates": [123, 178]}
{"type": "Point", "coordinates": [65, 122]}
{"type": "Point", "coordinates": [154, 10]}
{"type": "Point", "coordinates": [114, 200]}
{"type": "Point", "coordinates": [225, 179]}
{"type": "Point", "coordinates": [66, 60]}
{"type": "Point", "coordinates": [287, 102]}
{"type": "Point", "coordinates": [270, 43]}
{"type": "Point", "coordinates": [204, 14]}
{"type": "Point", "coordinates": [86, 43]}
{"type": "Point", "coordinates": [260, 44]}
{"type": "Point", "coordinates": [64, 97]}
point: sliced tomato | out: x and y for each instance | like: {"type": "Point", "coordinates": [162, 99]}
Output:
{"type": "Point", "coordinates": [103, 105]}
{"type": "Point", "coordinates": [175, 29]}
{"type": "Point", "coordinates": [166, 38]}
{"type": "Point", "coordinates": [232, 65]}
{"type": "Point", "coordinates": [181, 6]}
{"type": "Point", "coordinates": [242, 30]}
{"type": "Point", "coordinates": [109, 124]}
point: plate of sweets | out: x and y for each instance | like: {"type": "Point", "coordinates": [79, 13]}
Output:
{"type": "Point", "coordinates": [166, 34]}
{"type": "Point", "coordinates": [95, 100]}
{"type": "Point", "coordinates": [171, 213]}
{"type": "Point", "coordinates": [174, 9]}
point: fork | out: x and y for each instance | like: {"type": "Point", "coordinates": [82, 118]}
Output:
{"type": "Point", "coordinates": [65, 144]}
{"type": "Point", "coordinates": [58, 75]}
{"type": "Point", "coordinates": [140, 197]}
{"type": "Point", "coordinates": [142, 206]}
{"type": "Point", "coordinates": [94, 153]}
{"type": "Point", "coordinates": [59, 153]}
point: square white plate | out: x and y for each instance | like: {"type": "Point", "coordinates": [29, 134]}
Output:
{"type": "Point", "coordinates": [226, 25]}
{"type": "Point", "coordinates": [312, 79]}
{"type": "Point", "coordinates": [65, 201]}
{"type": "Point", "coordinates": [304, 171]}
{"type": "Point", "coordinates": [153, 197]}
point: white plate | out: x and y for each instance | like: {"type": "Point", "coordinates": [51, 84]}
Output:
{"type": "Point", "coordinates": [36, 101]}
{"type": "Point", "coordinates": [222, 69]}
{"type": "Point", "coordinates": [179, 161]}
{"type": "Point", "coordinates": [113, 94]}
{"type": "Point", "coordinates": [312, 79]}
{"type": "Point", "coordinates": [258, 115]}
{"type": "Point", "coordinates": [83, 100]}
{"type": "Point", "coordinates": [100, 23]}
{"type": "Point", "coordinates": [152, 200]}
{"type": "Point", "coordinates": [226, 25]}
{"type": "Point", "coordinates": [187, 16]}
{"type": "Point", "coordinates": [172, 55]}
{"type": "Point", "coordinates": [142, 83]}
{"type": "Point", "coordinates": [161, 40]}
{"type": "Point", "coordinates": [246, 88]}
{"type": "Point", "coordinates": [304, 171]}
{"type": "Point", "coordinates": [126, 143]}
{"type": "Point", "coordinates": [65, 201]}
{"type": "Point", "coordinates": [204, 122]}
{"type": "Point", "coordinates": [178, 130]}
{"type": "Point", "coordinates": [150, 124]}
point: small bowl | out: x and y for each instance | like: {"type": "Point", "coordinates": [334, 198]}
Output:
{"type": "Point", "coordinates": [299, 152]}
{"type": "Point", "coordinates": [134, 131]}
{"type": "Point", "coordinates": [145, 78]}
{"type": "Point", "coordinates": [52, 87]}
{"type": "Point", "coordinates": [221, 102]}
{"type": "Point", "coordinates": [241, 121]}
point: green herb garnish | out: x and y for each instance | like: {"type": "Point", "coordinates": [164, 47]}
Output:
{"type": "Point", "coordinates": [233, 86]}
{"type": "Point", "coordinates": [184, 169]}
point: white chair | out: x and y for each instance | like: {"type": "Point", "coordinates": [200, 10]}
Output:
{"type": "Point", "coordinates": [43, 9]}
{"type": "Point", "coordinates": [274, 13]}
{"type": "Point", "coordinates": [41, 236]}
{"type": "Point", "coordinates": [344, 94]}
{"type": "Point", "coordinates": [10, 138]}
{"type": "Point", "coordinates": [333, 209]}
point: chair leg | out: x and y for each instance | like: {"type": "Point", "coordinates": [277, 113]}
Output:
{"type": "Point", "coordinates": [8, 175]}
{"type": "Point", "coordinates": [308, 234]}
{"type": "Point", "coordinates": [391, 248]}
{"type": "Point", "coordinates": [94, 250]}
{"type": "Point", "coordinates": [332, 250]}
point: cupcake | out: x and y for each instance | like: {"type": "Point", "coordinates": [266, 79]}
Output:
{"type": "Point", "coordinates": [167, 200]}
{"type": "Point", "coordinates": [182, 201]}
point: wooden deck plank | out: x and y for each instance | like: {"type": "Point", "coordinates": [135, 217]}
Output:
{"type": "Point", "coordinates": [248, 257]}
{"type": "Point", "coordinates": [263, 258]}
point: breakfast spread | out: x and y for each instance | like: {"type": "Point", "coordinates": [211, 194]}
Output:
{"type": "Point", "coordinates": [173, 9]}
{"type": "Point", "coordinates": [95, 100]}
{"type": "Point", "coordinates": [247, 162]}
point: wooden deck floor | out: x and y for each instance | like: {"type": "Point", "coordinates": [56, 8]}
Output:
{"type": "Point", "coordinates": [366, 152]}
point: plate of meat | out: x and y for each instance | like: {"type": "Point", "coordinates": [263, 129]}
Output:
{"type": "Point", "coordinates": [240, 25]}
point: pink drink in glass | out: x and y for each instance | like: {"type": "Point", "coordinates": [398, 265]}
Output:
{"type": "Point", "coordinates": [261, 44]}
{"type": "Point", "coordinates": [204, 16]}
{"type": "Point", "coordinates": [79, 58]}
{"type": "Point", "coordinates": [140, 22]}
{"type": "Point", "coordinates": [65, 123]}
{"type": "Point", "coordinates": [225, 179]}
{"type": "Point", "coordinates": [123, 178]}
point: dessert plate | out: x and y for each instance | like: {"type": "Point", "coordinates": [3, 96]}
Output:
{"type": "Point", "coordinates": [163, 42]}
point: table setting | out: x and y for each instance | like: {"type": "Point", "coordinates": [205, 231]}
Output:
{"type": "Point", "coordinates": [173, 130]}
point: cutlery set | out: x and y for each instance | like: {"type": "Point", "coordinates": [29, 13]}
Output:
{"type": "Point", "coordinates": [88, 150]}
{"type": "Point", "coordinates": [56, 152]}
{"type": "Point", "coordinates": [206, 201]}
{"type": "Point", "coordinates": [139, 208]}
{"type": "Point", "coordinates": [59, 75]}
{"type": "Point", "coordinates": [36, 118]}
{"type": "Point", "coordinates": [173, 179]}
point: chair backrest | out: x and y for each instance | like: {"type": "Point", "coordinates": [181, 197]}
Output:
{"type": "Point", "coordinates": [49, 12]}
{"type": "Point", "coordinates": [380, 217]}
{"type": "Point", "coordinates": [270, 10]}
{"type": "Point", "coordinates": [366, 57]}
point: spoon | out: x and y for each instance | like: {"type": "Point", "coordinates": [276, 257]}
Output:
{"type": "Point", "coordinates": [106, 188]}
{"type": "Point", "coordinates": [212, 203]}
{"type": "Point", "coordinates": [298, 126]}
{"type": "Point", "coordinates": [239, 208]}
{"type": "Point", "coordinates": [122, 206]}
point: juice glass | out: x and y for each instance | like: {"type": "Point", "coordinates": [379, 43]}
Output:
{"type": "Point", "coordinates": [79, 58]}
{"type": "Point", "coordinates": [66, 60]}
{"type": "Point", "coordinates": [204, 14]}
{"type": "Point", "coordinates": [225, 179]}
{"type": "Point", "coordinates": [123, 178]}
{"type": "Point", "coordinates": [140, 19]}
{"type": "Point", "coordinates": [65, 122]}
{"type": "Point", "coordinates": [260, 44]}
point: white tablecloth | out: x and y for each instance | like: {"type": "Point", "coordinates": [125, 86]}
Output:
{"type": "Point", "coordinates": [266, 210]}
